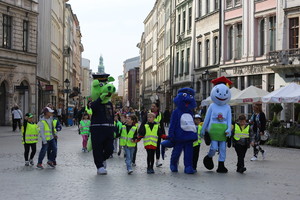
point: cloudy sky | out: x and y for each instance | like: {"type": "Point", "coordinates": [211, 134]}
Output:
{"type": "Point", "coordinates": [111, 28]}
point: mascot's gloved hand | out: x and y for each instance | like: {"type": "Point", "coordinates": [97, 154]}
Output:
{"type": "Point", "coordinates": [165, 137]}
{"type": "Point", "coordinates": [228, 133]}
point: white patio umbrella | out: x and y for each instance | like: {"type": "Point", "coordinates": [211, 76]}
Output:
{"type": "Point", "coordinates": [249, 95]}
{"type": "Point", "coordinates": [287, 94]}
{"type": "Point", "coordinates": [207, 101]}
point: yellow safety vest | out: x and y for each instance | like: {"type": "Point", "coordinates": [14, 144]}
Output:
{"type": "Point", "coordinates": [199, 141]}
{"type": "Point", "coordinates": [238, 133]}
{"type": "Point", "coordinates": [158, 118]}
{"type": "Point", "coordinates": [151, 136]}
{"type": "Point", "coordinates": [47, 130]}
{"type": "Point", "coordinates": [125, 139]}
{"type": "Point", "coordinates": [31, 135]}
{"type": "Point", "coordinates": [85, 127]}
{"type": "Point", "coordinates": [88, 110]}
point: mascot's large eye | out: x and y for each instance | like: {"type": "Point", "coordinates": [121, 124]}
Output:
{"type": "Point", "coordinates": [101, 84]}
{"type": "Point", "coordinates": [226, 91]}
{"type": "Point", "coordinates": [184, 94]}
{"type": "Point", "coordinates": [218, 91]}
{"type": "Point", "coordinates": [191, 96]}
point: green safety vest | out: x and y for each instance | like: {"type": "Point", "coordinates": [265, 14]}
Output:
{"type": "Point", "coordinates": [31, 134]}
{"type": "Point", "coordinates": [47, 130]}
{"type": "Point", "coordinates": [89, 111]}
{"type": "Point", "coordinates": [199, 141]}
{"type": "Point", "coordinates": [125, 139]}
{"type": "Point", "coordinates": [158, 118]}
{"type": "Point", "coordinates": [238, 133]}
{"type": "Point", "coordinates": [151, 136]}
{"type": "Point", "coordinates": [85, 127]}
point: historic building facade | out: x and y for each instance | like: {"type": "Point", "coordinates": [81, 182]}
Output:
{"type": "Point", "coordinates": [18, 57]}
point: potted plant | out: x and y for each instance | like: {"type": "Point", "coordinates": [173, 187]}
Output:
{"type": "Point", "coordinates": [276, 108]}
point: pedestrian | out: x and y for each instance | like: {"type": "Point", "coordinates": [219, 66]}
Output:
{"type": "Point", "coordinates": [75, 121]}
{"type": "Point", "coordinates": [118, 130]}
{"type": "Point", "coordinates": [30, 133]}
{"type": "Point", "coordinates": [17, 117]}
{"type": "Point", "coordinates": [128, 140]}
{"type": "Point", "coordinates": [59, 114]}
{"type": "Point", "coordinates": [48, 136]}
{"type": "Point", "coordinates": [151, 131]}
{"type": "Point", "coordinates": [84, 126]}
{"type": "Point", "coordinates": [197, 143]}
{"type": "Point", "coordinates": [258, 121]}
{"type": "Point", "coordinates": [123, 121]}
{"type": "Point", "coordinates": [241, 141]}
{"type": "Point", "coordinates": [167, 117]}
{"type": "Point", "coordinates": [136, 147]}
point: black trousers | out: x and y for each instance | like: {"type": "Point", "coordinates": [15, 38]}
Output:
{"type": "Point", "coordinates": [240, 152]}
{"type": "Point", "coordinates": [257, 148]}
{"type": "Point", "coordinates": [27, 149]}
{"type": "Point", "coordinates": [49, 151]}
{"type": "Point", "coordinates": [134, 154]}
{"type": "Point", "coordinates": [15, 122]}
{"type": "Point", "coordinates": [150, 158]}
{"type": "Point", "coordinates": [158, 149]}
{"type": "Point", "coordinates": [196, 151]}
{"type": "Point", "coordinates": [102, 143]}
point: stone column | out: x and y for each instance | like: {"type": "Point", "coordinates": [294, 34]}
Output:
{"type": "Point", "coordinates": [234, 36]}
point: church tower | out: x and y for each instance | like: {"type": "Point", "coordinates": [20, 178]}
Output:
{"type": "Point", "coordinates": [101, 66]}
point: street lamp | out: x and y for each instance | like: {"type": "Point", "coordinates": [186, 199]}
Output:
{"type": "Point", "coordinates": [67, 84]}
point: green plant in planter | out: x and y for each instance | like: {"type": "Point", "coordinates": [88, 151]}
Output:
{"type": "Point", "coordinates": [276, 108]}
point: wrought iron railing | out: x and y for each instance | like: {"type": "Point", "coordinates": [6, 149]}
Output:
{"type": "Point", "coordinates": [284, 57]}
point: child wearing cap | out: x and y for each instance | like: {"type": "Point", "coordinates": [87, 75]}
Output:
{"type": "Point", "coordinates": [84, 127]}
{"type": "Point", "coordinates": [30, 132]}
{"type": "Point", "coordinates": [197, 143]}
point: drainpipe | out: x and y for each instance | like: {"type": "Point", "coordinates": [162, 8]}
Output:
{"type": "Point", "coordinates": [220, 34]}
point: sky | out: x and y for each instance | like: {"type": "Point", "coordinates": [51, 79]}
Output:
{"type": "Point", "coordinates": [111, 28]}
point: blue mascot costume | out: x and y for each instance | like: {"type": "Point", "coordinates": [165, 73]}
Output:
{"type": "Point", "coordinates": [217, 123]}
{"type": "Point", "coordinates": [182, 131]}
{"type": "Point", "coordinates": [102, 120]}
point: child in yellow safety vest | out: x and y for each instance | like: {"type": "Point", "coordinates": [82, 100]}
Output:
{"type": "Point", "coordinates": [241, 141]}
{"type": "Point", "coordinates": [30, 133]}
{"type": "Point", "coordinates": [197, 143]}
{"type": "Point", "coordinates": [84, 126]}
{"type": "Point", "coordinates": [151, 131]}
{"type": "Point", "coordinates": [128, 140]}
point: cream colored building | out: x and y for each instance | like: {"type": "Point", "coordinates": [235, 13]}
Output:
{"type": "Point", "coordinates": [86, 79]}
{"type": "Point", "coordinates": [18, 57]}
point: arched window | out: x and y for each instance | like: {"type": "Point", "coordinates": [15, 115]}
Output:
{"type": "Point", "coordinates": [207, 45]}
{"type": "Point", "coordinates": [216, 51]}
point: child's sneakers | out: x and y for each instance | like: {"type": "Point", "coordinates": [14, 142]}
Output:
{"type": "Point", "coordinates": [263, 153]}
{"type": "Point", "coordinates": [148, 170]}
{"type": "Point", "coordinates": [31, 162]}
{"type": "Point", "coordinates": [158, 163]}
{"type": "Point", "coordinates": [130, 171]}
{"type": "Point", "coordinates": [102, 171]}
{"type": "Point", "coordinates": [253, 158]}
{"type": "Point", "coordinates": [39, 166]}
{"type": "Point", "coordinates": [26, 163]}
{"type": "Point", "coordinates": [50, 164]}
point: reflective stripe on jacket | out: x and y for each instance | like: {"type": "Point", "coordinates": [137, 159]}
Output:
{"type": "Point", "coordinates": [238, 133]}
{"type": "Point", "coordinates": [31, 134]}
{"type": "Point", "coordinates": [151, 136]}
{"type": "Point", "coordinates": [125, 139]}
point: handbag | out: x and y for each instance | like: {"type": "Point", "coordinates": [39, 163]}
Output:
{"type": "Point", "coordinates": [265, 137]}
{"type": "Point", "coordinates": [89, 144]}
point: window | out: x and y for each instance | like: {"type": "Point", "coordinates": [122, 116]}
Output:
{"type": "Point", "coordinates": [199, 54]}
{"type": "Point", "coordinates": [272, 31]}
{"type": "Point", "coordinates": [179, 24]}
{"type": "Point", "coordinates": [183, 21]}
{"type": "Point", "coordinates": [190, 19]}
{"type": "Point", "coordinates": [216, 4]}
{"type": "Point", "coordinates": [177, 64]}
{"type": "Point", "coordinates": [262, 37]}
{"type": "Point", "coordinates": [7, 22]}
{"type": "Point", "coordinates": [187, 66]}
{"type": "Point", "coordinates": [230, 43]}
{"type": "Point", "coordinates": [216, 52]}
{"type": "Point", "coordinates": [181, 63]}
{"type": "Point", "coordinates": [239, 40]}
{"type": "Point", "coordinates": [207, 6]}
{"type": "Point", "coordinates": [207, 53]}
{"type": "Point", "coordinates": [255, 80]}
{"type": "Point", "coordinates": [25, 35]}
{"type": "Point", "coordinates": [200, 8]}
{"type": "Point", "coordinates": [271, 82]}
{"type": "Point", "coordinates": [228, 3]}
{"type": "Point", "coordinates": [237, 2]}
{"type": "Point", "coordinates": [294, 33]}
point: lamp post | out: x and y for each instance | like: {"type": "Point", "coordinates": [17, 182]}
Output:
{"type": "Point", "coordinates": [67, 84]}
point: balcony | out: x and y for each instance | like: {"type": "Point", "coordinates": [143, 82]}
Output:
{"type": "Point", "coordinates": [283, 60]}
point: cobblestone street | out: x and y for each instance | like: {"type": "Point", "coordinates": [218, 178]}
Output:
{"type": "Point", "coordinates": [75, 176]}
